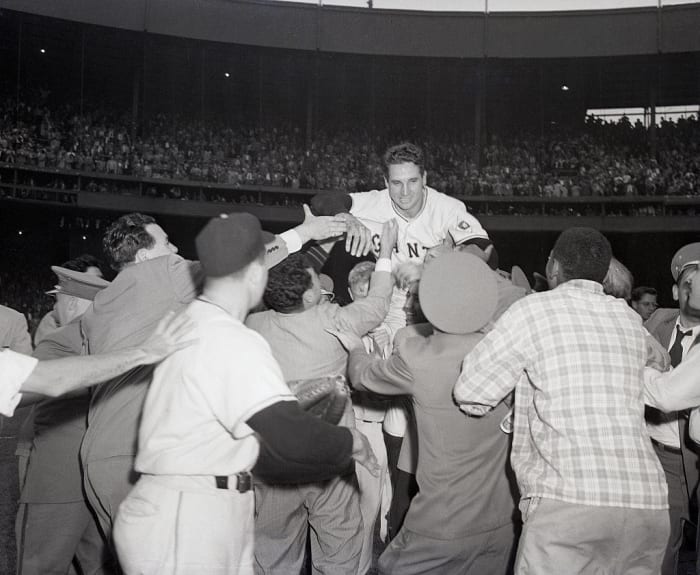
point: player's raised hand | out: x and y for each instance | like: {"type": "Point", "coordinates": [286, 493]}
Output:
{"type": "Point", "coordinates": [358, 238]}
{"type": "Point", "coordinates": [320, 228]}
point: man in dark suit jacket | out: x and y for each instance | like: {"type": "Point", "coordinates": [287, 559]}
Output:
{"type": "Point", "coordinates": [677, 330]}
{"type": "Point", "coordinates": [464, 517]}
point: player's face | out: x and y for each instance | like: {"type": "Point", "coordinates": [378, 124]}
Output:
{"type": "Point", "coordinates": [406, 188]}
{"type": "Point", "coordinates": [645, 306]}
{"type": "Point", "coordinates": [414, 314]}
{"type": "Point", "coordinates": [358, 291]}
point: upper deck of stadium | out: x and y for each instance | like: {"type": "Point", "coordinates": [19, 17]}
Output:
{"type": "Point", "coordinates": [480, 30]}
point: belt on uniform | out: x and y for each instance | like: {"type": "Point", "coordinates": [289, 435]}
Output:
{"type": "Point", "coordinates": [667, 448]}
{"type": "Point", "coordinates": [244, 481]}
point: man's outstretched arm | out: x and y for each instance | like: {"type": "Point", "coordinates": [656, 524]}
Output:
{"type": "Point", "coordinates": [58, 376]}
{"type": "Point", "coordinates": [358, 238]}
{"type": "Point", "coordinates": [674, 390]}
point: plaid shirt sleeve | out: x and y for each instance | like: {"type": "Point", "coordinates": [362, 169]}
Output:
{"type": "Point", "coordinates": [491, 370]}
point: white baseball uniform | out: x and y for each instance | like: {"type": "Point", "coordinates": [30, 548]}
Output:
{"type": "Point", "coordinates": [193, 428]}
{"type": "Point", "coordinates": [417, 235]}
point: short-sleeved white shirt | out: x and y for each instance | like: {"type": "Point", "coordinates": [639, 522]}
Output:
{"type": "Point", "coordinates": [194, 417]}
{"type": "Point", "coordinates": [440, 214]}
{"type": "Point", "coordinates": [14, 370]}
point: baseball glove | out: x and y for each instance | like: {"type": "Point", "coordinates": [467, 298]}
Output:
{"type": "Point", "coordinates": [324, 397]}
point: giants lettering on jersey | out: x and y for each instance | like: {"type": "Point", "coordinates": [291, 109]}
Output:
{"type": "Point", "coordinates": [413, 249]}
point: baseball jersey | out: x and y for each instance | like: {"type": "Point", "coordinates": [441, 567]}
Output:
{"type": "Point", "coordinates": [440, 214]}
{"type": "Point", "coordinates": [15, 369]}
{"type": "Point", "coordinates": [430, 227]}
{"type": "Point", "coordinates": [194, 417]}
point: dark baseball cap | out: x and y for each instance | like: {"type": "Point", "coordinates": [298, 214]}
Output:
{"type": "Point", "coordinates": [229, 242]}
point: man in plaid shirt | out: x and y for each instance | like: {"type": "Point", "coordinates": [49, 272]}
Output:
{"type": "Point", "coordinates": [593, 492]}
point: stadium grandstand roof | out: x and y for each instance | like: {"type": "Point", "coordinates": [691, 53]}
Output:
{"type": "Point", "coordinates": [496, 5]}
{"type": "Point", "coordinates": [647, 28]}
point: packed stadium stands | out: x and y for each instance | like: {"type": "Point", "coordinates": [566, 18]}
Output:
{"type": "Point", "coordinates": [600, 160]}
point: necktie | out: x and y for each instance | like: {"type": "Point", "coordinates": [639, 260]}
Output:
{"type": "Point", "coordinates": [676, 351]}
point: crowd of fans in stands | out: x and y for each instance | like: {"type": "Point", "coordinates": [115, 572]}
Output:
{"type": "Point", "coordinates": [603, 159]}
{"type": "Point", "coordinates": [23, 287]}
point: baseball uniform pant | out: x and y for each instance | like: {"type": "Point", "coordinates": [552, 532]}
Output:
{"type": "Point", "coordinates": [375, 492]}
{"type": "Point", "coordinates": [411, 553]}
{"type": "Point", "coordinates": [180, 525]}
{"type": "Point", "coordinates": [590, 540]}
{"type": "Point", "coordinates": [329, 511]}
{"type": "Point", "coordinates": [50, 535]}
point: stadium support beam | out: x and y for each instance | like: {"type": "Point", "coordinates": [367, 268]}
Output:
{"type": "Point", "coordinates": [480, 111]}
{"type": "Point", "coordinates": [652, 91]}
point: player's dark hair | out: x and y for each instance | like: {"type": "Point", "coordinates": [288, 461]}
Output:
{"type": "Point", "coordinates": [402, 154]}
{"type": "Point", "coordinates": [125, 237]}
{"type": "Point", "coordinates": [583, 253]}
{"type": "Point", "coordinates": [286, 284]}
{"type": "Point", "coordinates": [640, 291]}
{"type": "Point", "coordinates": [82, 263]}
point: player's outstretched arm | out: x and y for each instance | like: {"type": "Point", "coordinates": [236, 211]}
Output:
{"type": "Point", "coordinates": [320, 228]}
{"type": "Point", "coordinates": [58, 376]}
{"type": "Point", "coordinates": [358, 239]}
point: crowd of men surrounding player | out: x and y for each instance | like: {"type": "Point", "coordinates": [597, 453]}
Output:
{"type": "Point", "coordinates": [492, 427]}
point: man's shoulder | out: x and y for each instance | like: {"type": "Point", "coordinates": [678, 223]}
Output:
{"type": "Point", "coordinates": [417, 331]}
{"type": "Point", "coordinates": [508, 294]}
{"type": "Point", "coordinates": [661, 318]}
{"type": "Point", "coordinates": [9, 314]}
{"type": "Point", "coordinates": [533, 308]}
{"type": "Point", "coordinates": [425, 343]}
{"type": "Point", "coordinates": [452, 212]}
{"type": "Point", "coordinates": [61, 342]}
{"type": "Point", "coordinates": [149, 273]}
{"type": "Point", "coordinates": [441, 199]}
{"type": "Point", "coordinates": [257, 320]}
{"type": "Point", "coordinates": [368, 203]}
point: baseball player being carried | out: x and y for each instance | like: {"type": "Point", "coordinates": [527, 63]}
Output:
{"type": "Point", "coordinates": [425, 216]}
